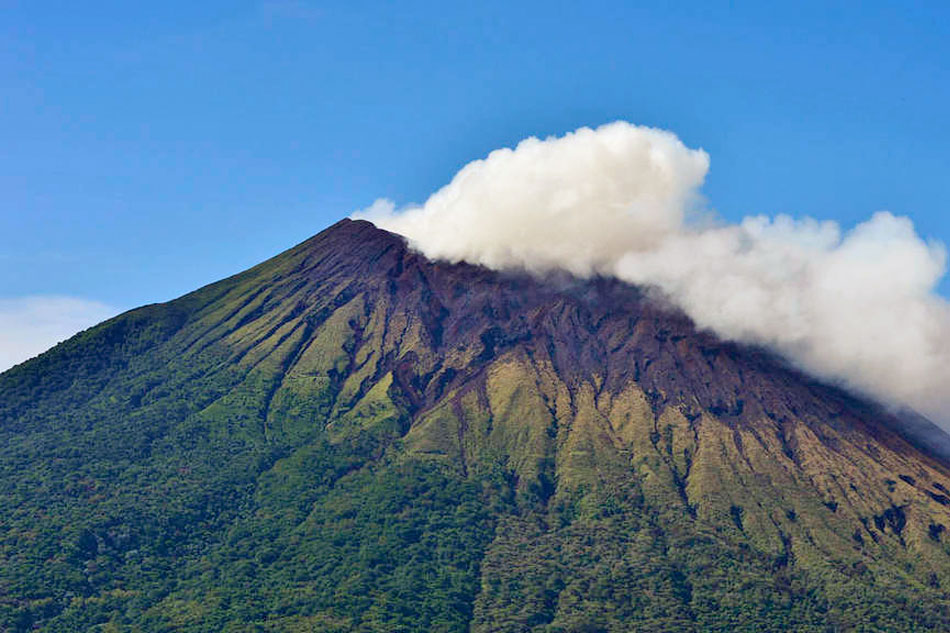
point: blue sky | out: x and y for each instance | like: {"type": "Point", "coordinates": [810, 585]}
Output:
{"type": "Point", "coordinates": [148, 149]}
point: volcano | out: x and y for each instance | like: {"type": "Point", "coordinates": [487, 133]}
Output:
{"type": "Point", "coordinates": [351, 437]}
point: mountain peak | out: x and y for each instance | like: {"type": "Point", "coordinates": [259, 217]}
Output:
{"type": "Point", "coordinates": [352, 437]}
{"type": "Point", "coordinates": [348, 232]}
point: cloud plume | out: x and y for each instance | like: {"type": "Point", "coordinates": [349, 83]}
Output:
{"type": "Point", "coordinates": [857, 307]}
{"type": "Point", "coordinates": [31, 325]}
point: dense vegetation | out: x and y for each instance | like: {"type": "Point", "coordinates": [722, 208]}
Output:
{"type": "Point", "coordinates": [350, 438]}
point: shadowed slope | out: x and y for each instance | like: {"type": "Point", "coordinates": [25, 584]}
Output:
{"type": "Point", "coordinates": [351, 437]}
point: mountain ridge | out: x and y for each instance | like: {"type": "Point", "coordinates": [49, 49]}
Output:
{"type": "Point", "coordinates": [542, 434]}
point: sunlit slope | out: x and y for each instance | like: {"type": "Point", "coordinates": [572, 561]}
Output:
{"type": "Point", "coordinates": [349, 437]}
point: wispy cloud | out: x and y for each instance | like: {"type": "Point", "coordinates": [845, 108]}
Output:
{"type": "Point", "coordinates": [31, 325]}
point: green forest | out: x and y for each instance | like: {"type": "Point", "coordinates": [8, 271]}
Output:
{"type": "Point", "coordinates": [349, 438]}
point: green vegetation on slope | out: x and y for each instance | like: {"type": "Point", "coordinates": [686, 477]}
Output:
{"type": "Point", "coordinates": [349, 438]}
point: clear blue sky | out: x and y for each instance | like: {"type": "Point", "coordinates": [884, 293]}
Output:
{"type": "Point", "coordinates": [149, 148]}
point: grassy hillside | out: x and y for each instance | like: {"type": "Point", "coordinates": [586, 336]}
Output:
{"type": "Point", "coordinates": [351, 438]}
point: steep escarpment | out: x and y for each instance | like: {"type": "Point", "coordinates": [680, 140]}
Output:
{"type": "Point", "coordinates": [350, 437]}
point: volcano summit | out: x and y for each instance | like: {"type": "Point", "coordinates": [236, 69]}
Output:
{"type": "Point", "coordinates": [352, 437]}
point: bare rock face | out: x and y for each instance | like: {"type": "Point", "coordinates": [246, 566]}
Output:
{"type": "Point", "coordinates": [352, 437]}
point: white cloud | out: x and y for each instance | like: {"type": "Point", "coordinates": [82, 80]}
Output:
{"type": "Point", "coordinates": [31, 325]}
{"type": "Point", "coordinates": [576, 202]}
{"type": "Point", "coordinates": [859, 307]}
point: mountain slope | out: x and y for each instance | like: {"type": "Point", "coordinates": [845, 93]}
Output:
{"type": "Point", "coordinates": [349, 437]}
